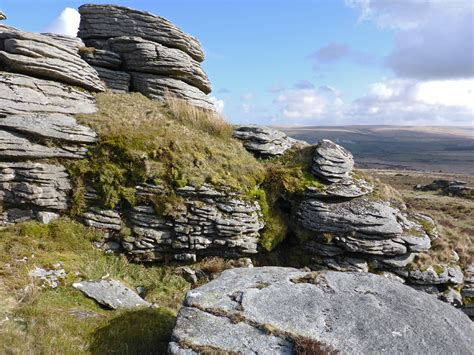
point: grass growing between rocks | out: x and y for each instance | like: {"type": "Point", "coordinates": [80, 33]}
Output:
{"type": "Point", "coordinates": [37, 320]}
{"type": "Point", "coordinates": [173, 144]}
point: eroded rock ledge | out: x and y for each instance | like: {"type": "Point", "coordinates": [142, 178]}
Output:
{"type": "Point", "coordinates": [272, 310]}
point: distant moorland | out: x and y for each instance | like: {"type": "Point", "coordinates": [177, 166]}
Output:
{"type": "Point", "coordinates": [440, 149]}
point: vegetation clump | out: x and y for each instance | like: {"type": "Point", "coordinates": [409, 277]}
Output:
{"type": "Point", "coordinates": [141, 140]}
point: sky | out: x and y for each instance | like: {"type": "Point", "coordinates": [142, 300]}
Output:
{"type": "Point", "coordinates": [315, 62]}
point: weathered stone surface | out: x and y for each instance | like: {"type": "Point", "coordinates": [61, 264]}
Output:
{"type": "Point", "coordinates": [208, 222]}
{"type": "Point", "coordinates": [74, 43]}
{"type": "Point", "coordinates": [346, 188]}
{"type": "Point", "coordinates": [20, 94]}
{"type": "Point", "coordinates": [46, 217]}
{"type": "Point", "coordinates": [111, 293]}
{"type": "Point", "coordinates": [48, 278]}
{"type": "Point", "coordinates": [347, 312]}
{"type": "Point", "coordinates": [103, 219]}
{"type": "Point", "coordinates": [15, 215]}
{"type": "Point", "coordinates": [49, 126]}
{"type": "Point", "coordinates": [114, 80]}
{"type": "Point", "coordinates": [44, 57]}
{"type": "Point", "coordinates": [433, 275]}
{"type": "Point", "coordinates": [16, 146]}
{"type": "Point", "coordinates": [107, 21]}
{"type": "Point", "coordinates": [158, 87]}
{"type": "Point", "coordinates": [332, 162]}
{"type": "Point", "coordinates": [467, 292]}
{"type": "Point", "coordinates": [265, 141]}
{"type": "Point", "coordinates": [34, 185]}
{"type": "Point", "coordinates": [148, 57]}
{"type": "Point", "coordinates": [102, 58]}
{"type": "Point", "coordinates": [371, 219]}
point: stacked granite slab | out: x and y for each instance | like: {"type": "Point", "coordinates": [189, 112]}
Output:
{"type": "Point", "coordinates": [43, 83]}
{"type": "Point", "coordinates": [138, 51]}
{"type": "Point", "coordinates": [203, 222]}
{"type": "Point", "coordinates": [348, 228]}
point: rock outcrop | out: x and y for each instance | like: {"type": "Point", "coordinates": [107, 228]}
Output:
{"type": "Point", "coordinates": [450, 188]}
{"type": "Point", "coordinates": [332, 162]}
{"type": "Point", "coordinates": [44, 57]}
{"type": "Point", "coordinates": [137, 51]}
{"type": "Point", "coordinates": [264, 141]}
{"type": "Point", "coordinates": [43, 84]}
{"type": "Point", "coordinates": [280, 310]}
{"type": "Point", "coordinates": [467, 292]}
{"type": "Point", "coordinates": [2, 16]}
{"type": "Point", "coordinates": [204, 221]}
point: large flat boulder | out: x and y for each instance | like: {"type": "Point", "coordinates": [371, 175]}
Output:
{"type": "Point", "coordinates": [159, 87]}
{"type": "Point", "coordinates": [20, 94]}
{"type": "Point", "coordinates": [107, 21]}
{"type": "Point", "coordinates": [274, 310]}
{"type": "Point", "coordinates": [149, 57]}
{"type": "Point", "coordinates": [45, 57]}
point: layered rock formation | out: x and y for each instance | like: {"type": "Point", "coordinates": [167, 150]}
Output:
{"type": "Point", "coordinates": [275, 310]}
{"type": "Point", "coordinates": [43, 84]}
{"type": "Point", "coordinates": [137, 51]}
{"type": "Point", "coordinates": [264, 141]}
{"type": "Point", "coordinates": [203, 221]}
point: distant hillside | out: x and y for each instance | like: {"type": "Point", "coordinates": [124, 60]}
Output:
{"type": "Point", "coordinates": [446, 149]}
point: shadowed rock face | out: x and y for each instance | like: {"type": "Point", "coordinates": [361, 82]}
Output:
{"type": "Point", "coordinates": [45, 57]}
{"type": "Point", "coordinates": [345, 312]}
{"type": "Point", "coordinates": [107, 21]}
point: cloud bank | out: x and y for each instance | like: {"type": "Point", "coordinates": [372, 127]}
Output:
{"type": "Point", "coordinates": [67, 23]}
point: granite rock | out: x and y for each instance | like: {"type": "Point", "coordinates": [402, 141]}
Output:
{"type": "Point", "coordinates": [332, 162]}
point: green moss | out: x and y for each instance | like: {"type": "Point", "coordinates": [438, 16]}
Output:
{"type": "Point", "coordinates": [415, 232]}
{"type": "Point", "coordinates": [439, 269]}
{"type": "Point", "coordinates": [428, 226]}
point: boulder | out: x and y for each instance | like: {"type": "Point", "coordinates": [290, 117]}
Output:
{"type": "Point", "coordinates": [74, 43]}
{"type": "Point", "coordinates": [118, 81]}
{"type": "Point", "coordinates": [49, 126]}
{"type": "Point", "coordinates": [111, 293]}
{"type": "Point", "coordinates": [149, 57]}
{"type": "Point", "coordinates": [108, 21]}
{"type": "Point", "coordinates": [265, 141]}
{"type": "Point", "coordinates": [160, 87]}
{"type": "Point", "coordinates": [16, 146]}
{"type": "Point", "coordinates": [347, 188]}
{"type": "Point", "coordinates": [20, 94]}
{"type": "Point", "coordinates": [102, 58]}
{"type": "Point", "coordinates": [332, 162]}
{"type": "Point", "coordinates": [433, 275]}
{"type": "Point", "coordinates": [283, 311]}
{"type": "Point", "coordinates": [35, 185]}
{"type": "Point", "coordinates": [44, 57]}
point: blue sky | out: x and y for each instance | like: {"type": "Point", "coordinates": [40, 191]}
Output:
{"type": "Point", "coordinates": [319, 62]}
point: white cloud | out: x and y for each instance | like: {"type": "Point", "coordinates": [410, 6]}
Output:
{"type": "Point", "coordinates": [410, 102]}
{"type": "Point", "coordinates": [218, 104]}
{"type": "Point", "coordinates": [303, 104]}
{"type": "Point", "coordinates": [67, 23]}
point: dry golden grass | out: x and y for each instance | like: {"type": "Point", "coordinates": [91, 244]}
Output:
{"type": "Point", "coordinates": [454, 216]}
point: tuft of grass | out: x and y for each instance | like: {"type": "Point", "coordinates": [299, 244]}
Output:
{"type": "Point", "coordinates": [141, 140]}
{"type": "Point", "coordinates": [83, 50]}
{"type": "Point", "coordinates": [307, 346]}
